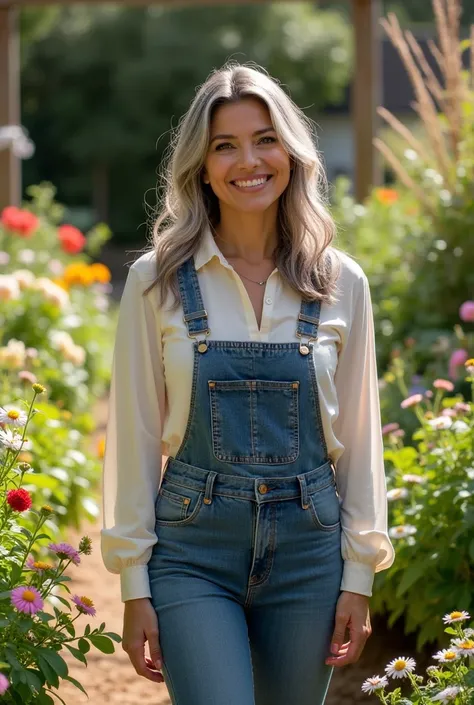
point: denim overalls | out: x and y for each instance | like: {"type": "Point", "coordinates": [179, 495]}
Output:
{"type": "Point", "coordinates": [246, 571]}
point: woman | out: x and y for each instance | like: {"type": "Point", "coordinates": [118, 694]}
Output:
{"type": "Point", "coordinates": [244, 353]}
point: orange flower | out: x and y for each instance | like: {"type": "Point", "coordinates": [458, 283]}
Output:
{"type": "Point", "coordinates": [101, 272]}
{"type": "Point", "coordinates": [101, 448]}
{"type": "Point", "coordinates": [387, 196]}
{"type": "Point", "coordinates": [78, 274]}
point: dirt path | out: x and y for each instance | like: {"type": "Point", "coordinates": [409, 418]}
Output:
{"type": "Point", "coordinates": [112, 679]}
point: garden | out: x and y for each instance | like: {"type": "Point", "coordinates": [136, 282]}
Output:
{"type": "Point", "coordinates": [413, 238]}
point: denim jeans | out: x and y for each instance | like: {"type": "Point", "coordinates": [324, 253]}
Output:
{"type": "Point", "coordinates": [245, 582]}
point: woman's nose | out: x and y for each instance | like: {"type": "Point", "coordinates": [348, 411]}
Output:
{"type": "Point", "coordinates": [248, 158]}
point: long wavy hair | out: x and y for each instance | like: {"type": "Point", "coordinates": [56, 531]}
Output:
{"type": "Point", "coordinates": [306, 229]}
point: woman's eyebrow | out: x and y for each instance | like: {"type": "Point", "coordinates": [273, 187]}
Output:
{"type": "Point", "coordinates": [233, 137]}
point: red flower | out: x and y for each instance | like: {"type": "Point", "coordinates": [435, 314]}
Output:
{"type": "Point", "coordinates": [19, 221]}
{"type": "Point", "coordinates": [19, 500]}
{"type": "Point", "coordinates": [72, 240]}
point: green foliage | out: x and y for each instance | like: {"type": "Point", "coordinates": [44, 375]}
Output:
{"type": "Point", "coordinates": [31, 637]}
{"type": "Point", "coordinates": [431, 515]}
{"type": "Point", "coordinates": [119, 78]}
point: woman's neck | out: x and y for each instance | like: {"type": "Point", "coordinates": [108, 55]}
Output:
{"type": "Point", "coordinates": [252, 239]}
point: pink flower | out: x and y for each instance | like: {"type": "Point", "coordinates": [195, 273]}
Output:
{"type": "Point", "coordinates": [389, 428]}
{"type": "Point", "coordinates": [443, 384]}
{"type": "Point", "coordinates": [449, 412]}
{"type": "Point", "coordinates": [4, 684]}
{"type": "Point", "coordinates": [65, 551]}
{"type": "Point", "coordinates": [84, 605]}
{"type": "Point", "coordinates": [411, 401]}
{"type": "Point", "coordinates": [457, 359]}
{"type": "Point", "coordinates": [26, 598]}
{"type": "Point", "coordinates": [466, 312]}
{"type": "Point", "coordinates": [462, 408]}
{"type": "Point", "coordinates": [27, 376]}
{"type": "Point", "coordinates": [399, 433]}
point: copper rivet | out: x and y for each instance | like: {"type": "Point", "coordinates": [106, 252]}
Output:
{"type": "Point", "coordinates": [305, 506]}
{"type": "Point", "coordinates": [263, 489]}
{"type": "Point", "coordinates": [186, 501]}
{"type": "Point", "coordinates": [295, 385]}
{"type": "Point", "coordinates": [202, 347]}
{"type": "Point", "coordinates": [212, 384]}
{"type": "Point", "coordinates": [304, 350]}
{"type": "Point", "coordinates": [207, 501]}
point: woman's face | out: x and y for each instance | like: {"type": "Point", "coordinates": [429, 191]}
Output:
{"type": "Point", "coordinates": [246, 165]}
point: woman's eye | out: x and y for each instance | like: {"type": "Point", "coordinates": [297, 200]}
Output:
{"type": "Point", "coordinates": [272, 139]}
{"type": "Point", "coordinates": [222, 145]}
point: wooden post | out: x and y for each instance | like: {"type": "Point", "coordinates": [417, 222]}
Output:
{"type": "Point", "coordinates": [366, 94]}
{"type": "Point", "coordinates": [10, 166]}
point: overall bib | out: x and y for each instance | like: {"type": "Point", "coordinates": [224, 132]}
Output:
{"type": "Point", "coordinates": [246, 571]}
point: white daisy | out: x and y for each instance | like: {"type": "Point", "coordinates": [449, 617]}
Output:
{"type": "Point", "coordinates": [397, 493]}
{"type": "Point", "coordinates": [460, 426]}
{"type": "Point", "coordinates": [415, 479]}
{"type": "Point", "coordinates": [13, 416]}
{"type": "Point", "coordinates": [446, 656]}
{"type": "Point", "coordinates": [402, 531]}
{"type": "Point", "coordinates": [441, 422]}
{"type": "Point", "coordinates": [447, 695]}
{"type": "Point", "coordinates": [400, 667]}
{"type": "Point", "coordinates": [456, 617]}
{"type": "Point", "coordinates": [13, 440]}
{"type": "Point", "coordinates": [464, 646]}
{"type": "Point", "coordinates": [375, 683]}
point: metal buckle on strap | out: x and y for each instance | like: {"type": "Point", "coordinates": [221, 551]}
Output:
{"type": "Point", "coordinates": [201, 344]}
{"type": "Point", "coordinates": [304, 347]}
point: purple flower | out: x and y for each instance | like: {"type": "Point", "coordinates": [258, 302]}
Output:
{"type": "Point", "coordinates": [389, 428]}
{"type": "Point", "coordinates": [26, 598]}
{"type": "Point", "coordinates": [65, 551]}
{"type": "Point", "coordinates": [466, 312]}
{"type": "Point", "coordinates": [84, 605]}
{"type": "Point", "coordinates": [457, 359]}
{"type": "Point", "coordinates": [4, 684]}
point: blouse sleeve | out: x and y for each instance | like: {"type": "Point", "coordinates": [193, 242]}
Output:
{"type": "Point", "coordinates": [366, 547]}
{"type": "Point", "coordinates": [132, 460]}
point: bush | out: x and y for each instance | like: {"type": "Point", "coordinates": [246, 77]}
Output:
{"type": "Point", "coordinates": [31, 637]}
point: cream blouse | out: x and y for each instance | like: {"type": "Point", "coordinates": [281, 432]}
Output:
{"type": "Point", "coordinates": [151, 391]}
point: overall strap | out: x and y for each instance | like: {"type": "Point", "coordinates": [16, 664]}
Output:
{"type": "Point", "coordinates": [195, 315]}
{"type": "Point", "coordinates": [308, 319]}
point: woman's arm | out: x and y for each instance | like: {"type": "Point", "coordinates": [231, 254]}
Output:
{"type": "Point", "coordinates": [360, 475]}
{"type": "Point", "coordinates": [132, 462]}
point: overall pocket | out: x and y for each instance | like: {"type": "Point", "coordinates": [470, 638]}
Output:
{"type": "Point", "coordinates": [176, 505]}
{"type": "Point", "coordinates": [325, 508]}
{"type": "Point", "coordinates": [255, 421]}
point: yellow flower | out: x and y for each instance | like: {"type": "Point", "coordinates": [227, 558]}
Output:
{"type": "Point", "coordinates": [101, 272]}
{"type": "Point", "coordinates": [25, 457]}
{"type": "Point", "coordinates": [78, 274]}
{"type": "Point", "coordinates": [469, 363]}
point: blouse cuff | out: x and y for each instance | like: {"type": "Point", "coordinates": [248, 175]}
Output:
{"type": "Point", "coordinates": [134, 582]}
{"type": "Point", "coordinates": [357, 577]}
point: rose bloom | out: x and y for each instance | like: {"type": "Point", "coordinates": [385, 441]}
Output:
{"type": "Point", "coordinates": [19, 221]}
{"type": "Point", "coordinates": [466, 312]}
{"type": "Point", "coordinates": [71, 239]}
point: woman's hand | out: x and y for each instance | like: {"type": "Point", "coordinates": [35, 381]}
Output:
{"type": "Point", "coordinates": [352, 613]}
{"type": "Point", "coordinates": [140, 624]}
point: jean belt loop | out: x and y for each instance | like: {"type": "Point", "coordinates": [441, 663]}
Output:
{"type": "Point", "coordinates": [304, 492]}
{"type": "Point", "coordinates": [209, 485]}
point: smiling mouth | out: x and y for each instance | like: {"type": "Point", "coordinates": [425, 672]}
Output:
{"type": "Point", "coordinates": [251, 184]}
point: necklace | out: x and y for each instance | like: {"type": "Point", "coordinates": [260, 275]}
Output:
{"type": "Point", "coordinates": [252, 280]}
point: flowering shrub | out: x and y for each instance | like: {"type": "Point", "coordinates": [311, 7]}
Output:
{"type": "Point", "coordinates": [431, 510]}
{"type": "Point", "coordinates": [54, 308]}
{"type": "Point", "coordinates": [31, 636]}
{"type": "Point", "coordinates": [451, 680]}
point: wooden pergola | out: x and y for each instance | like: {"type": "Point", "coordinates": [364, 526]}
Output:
{"type": "Point", "coordinates": [365, 97]}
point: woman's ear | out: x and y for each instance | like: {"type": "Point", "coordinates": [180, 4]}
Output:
{"type": "Point", "coordinates": [205, 177]}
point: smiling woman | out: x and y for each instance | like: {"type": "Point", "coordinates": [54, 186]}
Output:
{"type": "Point", "coordinates": [252, 367]}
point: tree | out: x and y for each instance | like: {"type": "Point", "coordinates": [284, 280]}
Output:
{"type": "Point", "coordinates": [103, 88]}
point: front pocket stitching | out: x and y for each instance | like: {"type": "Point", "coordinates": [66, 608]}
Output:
{"type": "Point", "coordinates": [182, 522]}
{"type": "Point", "coordinates": [316, 520]}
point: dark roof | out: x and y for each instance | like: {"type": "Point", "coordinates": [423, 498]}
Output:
{"type": "Point", "coordinates": [397, 91]}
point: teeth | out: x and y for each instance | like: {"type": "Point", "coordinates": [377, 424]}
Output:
{"type": "Point", "coordinates": [247, 184]}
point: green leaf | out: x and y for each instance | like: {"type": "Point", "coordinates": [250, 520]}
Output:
{"type": "Point", "coordinates": [76, 653]}
{"type": "Point", "coordinates": [62, 600]}
{"type": "Point", "coordinates": [70, 629]}
{"type": "Point", "coordinates": [33, 678]}
{"type": "Point", "coordinates": [413, 573]}
{"type": "Point", "coordinates": [5, 595]}
{"type": "Point", "coordinates": [102, 643]}
{"type": "Point", "coordinates": [55, 661]}
{"type": "Point", "coordinates": [44, 699]}
{"type": "Point", "coordinates": [113, 636]}
{"type": "Point", "coordinates": [76, 683]}
{"type": "Point", "coordinates": [84, 645]}
{"type": "Point", "coordinates": [48, 672]}
{"type": "Point", "coordinates": [4, 622]}
{"type": "Point", "coordinates": [44, 616]}
{"type": "Point", "coordinates": [26, 532]}
{"type": "Point", "coordinates": [87, 630]}
{"type": "Point", "coordinates": [43, 536]}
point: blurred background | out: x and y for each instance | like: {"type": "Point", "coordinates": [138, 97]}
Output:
{"type": "Point", "coordinates": [89, 94]}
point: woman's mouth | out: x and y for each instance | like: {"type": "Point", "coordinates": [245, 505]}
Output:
{"type": "Point", "coordinates": [255, 184]}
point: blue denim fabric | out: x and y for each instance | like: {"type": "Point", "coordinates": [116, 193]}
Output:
{"type": "Point", "coordinates": [246, 571]}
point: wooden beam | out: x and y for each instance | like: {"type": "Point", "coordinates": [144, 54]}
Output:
{"type": "Point", "coordinates": [366, 95]}
{"type": "Point", "coordinates": [10, 166]}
